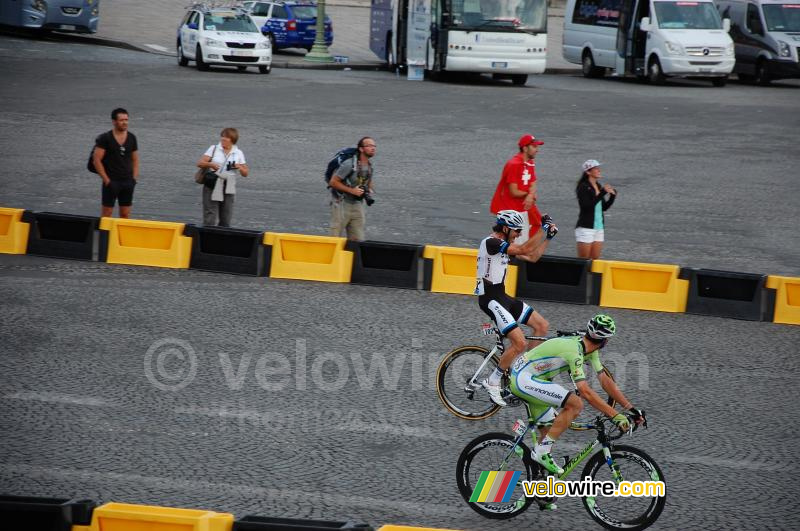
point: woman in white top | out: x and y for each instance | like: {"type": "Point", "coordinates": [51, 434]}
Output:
{"type": "Point", "coordinates": [228, 162]}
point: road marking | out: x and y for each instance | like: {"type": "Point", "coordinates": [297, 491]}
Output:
{"type": "Point", "coordinates": [157, 47]}
{"type": "Point", "coordinates": [49, 396]}
{"type": "Point", "coordinates": [300, 496]}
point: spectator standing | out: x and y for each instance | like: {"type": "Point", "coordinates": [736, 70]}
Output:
{"type": "Point", "coordinates": [228, 163]}
{"type": "Point", "coordinates": [351, 186]}
{"type": "Point", "coordinates": [517, 187]}
{"type": "Point", "coordinates": [593, 199]}
{"type": "Point", "coordinates": [116, 159]}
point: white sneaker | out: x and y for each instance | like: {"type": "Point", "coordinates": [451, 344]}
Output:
{"type": "Point", "coordinates": [546, 460]}
{"type": "Point", "coordinates": [494, 392]}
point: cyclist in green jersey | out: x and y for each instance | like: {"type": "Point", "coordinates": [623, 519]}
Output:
{"type": "Point", "coordinates": [531, 380]}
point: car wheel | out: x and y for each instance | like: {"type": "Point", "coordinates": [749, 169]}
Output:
{"type": "Point", "coordinates": [654, 73]}
{"type": "Point", "coordinates": [265, 69]}
{"type": "Point", "coordinates": [201, 65]}
{"type": "Point", "coordinates": [519, 79]}
{"type": "Point", "coordinates": [762, 77]}
{"type": "Point", "coordinates": [719, 81]}
{"type": "Point", "coordinates": [182, 60]}
{"type": "Point", "coordinates": [588, 67]}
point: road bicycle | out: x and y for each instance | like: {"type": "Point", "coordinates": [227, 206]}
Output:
{"type": "Point", "coordinates": [611, 462]}
{"type": "Point", "coordinates": [461, 371]}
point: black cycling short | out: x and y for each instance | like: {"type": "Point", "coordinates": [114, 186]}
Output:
{"type": "Point", "coordinates": [506, 312]}
{"type": "Point", "coordinates": [121, 191]}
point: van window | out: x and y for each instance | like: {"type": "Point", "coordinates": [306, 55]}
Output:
{"type": "Point", "coordinates": [260, 9]}
{"type": "Point", "coordinates": [782, 17]}
{"type": "Point", "coordinates": [687, 15]}
{"type": "Point", "coordinates": [597, 12]}
{"type": "Point", "coordinates": [753, 22]}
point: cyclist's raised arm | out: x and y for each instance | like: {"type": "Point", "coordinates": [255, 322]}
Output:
{"type": "Point", "coordinates": [529, 248]}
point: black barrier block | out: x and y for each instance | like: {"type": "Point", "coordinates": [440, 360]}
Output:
{"type": "Point", "coordinates": [23, 513]}
{"type": "Point", "coordinates": [394, 265]}
{"type": "Point", "coordinates": [728, 294]}
{"type": "Point", "coordinates": [268, 523]}
{"type": "Point", "coordinates": [558, 278]}
{"type": "Point", "coordinates": [61, 235]}
{"type": "Point", "coordinates": [228, 250]}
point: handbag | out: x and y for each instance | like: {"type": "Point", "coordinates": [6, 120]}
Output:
{"type": "Point", "coordinates": [207, 176]}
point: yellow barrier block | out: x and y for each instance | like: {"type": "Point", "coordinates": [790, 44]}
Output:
{"type": "Point", "coordinates": [455, 269]}
{"type": "Point", "coordinates": [127, 517]}
{"type": "Point", "coordinates": [641, 286]}
{"type": "Point", "coordinates": [409, 528]}
{"type": "Point", "coordinates": [147, 243]}
{"type": "Point", "coordinates": [787, 299]}
{"type": "Point", "coordinates": [304, 257]}
{"type": "Point", "coordinates": [13, 231]}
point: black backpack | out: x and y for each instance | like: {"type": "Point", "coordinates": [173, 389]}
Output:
{"type": "Point", "coordinates": [337, 160]}
{"type": "Point", "coordinates": [90, 164]}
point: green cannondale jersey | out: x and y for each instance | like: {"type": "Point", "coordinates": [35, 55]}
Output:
{"type": "Point", "coordinates": [558, 355]}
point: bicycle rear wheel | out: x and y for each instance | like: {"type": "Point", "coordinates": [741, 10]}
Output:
{"type": "Point", "coordinates": [493, 452]}
{"type": "Point", "coordinates": [629, 513]}
{"type": "Point", "coordinates": [462, 397]}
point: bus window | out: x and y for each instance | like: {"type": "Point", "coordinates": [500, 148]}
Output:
{"type": "Point", "coordinates": [515, 15]}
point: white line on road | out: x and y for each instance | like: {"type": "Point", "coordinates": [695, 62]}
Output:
{"type": "Point", "coordinates": [49, 396]}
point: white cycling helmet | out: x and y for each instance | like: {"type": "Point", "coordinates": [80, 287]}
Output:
{"type": "Point", "coordinates": [511, 219]}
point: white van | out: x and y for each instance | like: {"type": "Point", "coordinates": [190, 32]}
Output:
{"type": "Point", "coordinates": [766, 34]}
{"type": "Point", "coordinates": [652, 39]}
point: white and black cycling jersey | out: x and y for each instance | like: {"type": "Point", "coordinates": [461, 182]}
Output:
{"type": "Point", "coordinates": [492, 267]}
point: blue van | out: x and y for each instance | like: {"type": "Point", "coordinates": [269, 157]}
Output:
{"type": "Point", "coordinates": [288, 24]}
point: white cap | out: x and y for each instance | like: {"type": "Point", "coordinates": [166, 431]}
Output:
{"type": "Point", "coordinates": [591, 163]}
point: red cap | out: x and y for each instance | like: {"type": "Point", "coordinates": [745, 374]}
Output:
{"type": "Point", "coordinates": [526, 140]}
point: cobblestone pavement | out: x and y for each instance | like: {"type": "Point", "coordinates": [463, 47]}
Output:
{"type": "Point", "coordinates": [338, 418]}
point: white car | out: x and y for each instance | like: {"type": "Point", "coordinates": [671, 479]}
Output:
{"type": "Point", "coordinates": [222, 37]}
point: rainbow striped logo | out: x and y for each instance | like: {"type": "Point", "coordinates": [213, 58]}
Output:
{"type": "Point", "coordinates": [495, 487]}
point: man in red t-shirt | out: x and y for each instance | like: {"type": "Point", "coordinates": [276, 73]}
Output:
{"type": "Point", "coordinates": [517, 187]}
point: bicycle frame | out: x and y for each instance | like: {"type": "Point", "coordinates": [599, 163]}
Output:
{"type": "Point", "coordinates": [499, 348]}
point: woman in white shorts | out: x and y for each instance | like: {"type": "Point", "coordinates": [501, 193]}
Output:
{"type": "Point", "coordinates": [593, 199]}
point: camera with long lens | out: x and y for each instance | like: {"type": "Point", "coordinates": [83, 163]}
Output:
{"type": "Point", "coordinates": [367, 196]}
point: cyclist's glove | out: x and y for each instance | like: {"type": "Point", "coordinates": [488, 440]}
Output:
{"type": "Point", "coordinates": [622, 422]}
{"type": "Point", "coordinates": [638, 417]}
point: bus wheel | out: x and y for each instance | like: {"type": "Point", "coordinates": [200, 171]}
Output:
{"type": "Point", "coordinates": [519, 79]}
{"type": "Point", "coordinates": [588, 67]}
{"type": "Point", "coordinates": [654, 73]}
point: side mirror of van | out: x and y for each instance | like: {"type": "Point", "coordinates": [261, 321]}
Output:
{"type": "Point", "coordinates": [644, 25]}
{"type": "Point", "coordinates": [726, 24]}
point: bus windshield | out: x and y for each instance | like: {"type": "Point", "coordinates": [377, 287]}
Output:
{"type": "Point", "coordinates": [782, 17]}
{"type": "Point", "coordinates": [687, 15]}
{"type": "Point", "coordinates": [502, 15]}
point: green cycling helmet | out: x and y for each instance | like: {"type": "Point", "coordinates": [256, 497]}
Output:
{"type": "Point", "coordinates": [601, 326]}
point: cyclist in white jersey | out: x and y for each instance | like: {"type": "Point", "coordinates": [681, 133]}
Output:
{"type": "Point", "coordinates": [507, 312]}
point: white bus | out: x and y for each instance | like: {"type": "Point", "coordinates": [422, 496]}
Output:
{"type": "Point", "coordinates": [505, 38]}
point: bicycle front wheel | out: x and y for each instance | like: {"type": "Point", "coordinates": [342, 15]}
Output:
{"type": "Point", "coordinates": [459, 387]}
{"type": "Point", "coordinates": [629, 513]}
{"type": "Point", "coordinates": [496, 452]}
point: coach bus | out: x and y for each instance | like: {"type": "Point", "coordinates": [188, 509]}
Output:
{"type": "Point", "coordinates": [505, 38]}
{"type": "Point", "coordinates": [77, 16]}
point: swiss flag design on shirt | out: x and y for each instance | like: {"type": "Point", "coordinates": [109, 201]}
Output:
{"type": "Point", "coordinates": [523, 173]}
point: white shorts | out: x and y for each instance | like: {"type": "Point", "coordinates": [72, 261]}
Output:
{"type": "Point", "coordinates": [589, 235]}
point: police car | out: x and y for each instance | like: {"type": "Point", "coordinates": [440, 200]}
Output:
{"type": "Point", "coordinates": [222, 36]}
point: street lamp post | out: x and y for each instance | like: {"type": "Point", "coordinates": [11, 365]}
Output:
{"type": "Point", "coordinates": [319, 51]}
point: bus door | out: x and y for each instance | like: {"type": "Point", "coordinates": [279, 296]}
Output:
{"type": "Point", "coordinates": [631, 41]}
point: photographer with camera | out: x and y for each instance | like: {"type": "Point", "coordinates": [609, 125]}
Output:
{"type": "Point", "coordinates": [351, 187]}
{"type": "Point", "coordinates": [225, 162]}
